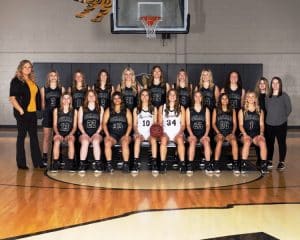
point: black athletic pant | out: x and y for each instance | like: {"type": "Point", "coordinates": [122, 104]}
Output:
{"type": "Point", "coordinates": [28, 123]}
{"type": "Point", "coordinates": [280, 133]}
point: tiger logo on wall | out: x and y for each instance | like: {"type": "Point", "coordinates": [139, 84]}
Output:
{"type": "Point", "coordinates": [91, 5]}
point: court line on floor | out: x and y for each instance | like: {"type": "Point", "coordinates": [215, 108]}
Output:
{"type": "Point", "coordinates": [229, 206]}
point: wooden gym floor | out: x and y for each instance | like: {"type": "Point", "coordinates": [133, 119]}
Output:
{"type": "Point", "coordinates": [35, 206]}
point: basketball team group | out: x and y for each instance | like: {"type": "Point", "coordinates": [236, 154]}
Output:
{"type": "Point", "coordinates": [195, 118]}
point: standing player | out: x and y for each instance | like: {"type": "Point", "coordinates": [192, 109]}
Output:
{"type": "Point", "coordinates": [158, 87]}
{"type": "Point", "coordinates": [64, 127]}
{"type": "Point", "coordinates": [129, 88]}
{"type": "Point", "coordinates": [183, 88]}
{"type": "Point", "coordinates": [90, 126]}
{"type": "Point", "coordinates": [117, 126]}
{"type": "Point", "coordinates": [172, 118]}
{"type": "Point", "coordinates": [251, 123]}
{"type": "Point", "coordinates": [209, 90]}
{"type": "Point", "coordinates": [198, 127]}
{"type": "Point", "coordinates": [234, 90]}
{"type": "Point", "coordinates": [224, 124]}
{"type": "Point", "coordinates": [144, 115]}
{"type": "Point", "coordinates": [103, 88]}
{"type": "Point", "coordinates": [78, 89]}
{"type": "Point", "coordinates": [50, 96]}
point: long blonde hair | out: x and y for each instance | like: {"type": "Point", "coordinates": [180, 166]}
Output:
{"type": "Point", "coordinates": [246, 104]}
{"type": "Point", "coordinates": [133, 82]}
{"type": "Point", "coordinates": [61, 108]}
{"type": "Point", "coordinates": [48, 79]}
{"type": "Point", "coordinates": [186, 79]}
{"type": "Point", "coordinates": [266, 82]}
{"type": "Point", "coordinates": [19, 73]}
{"type": "Point", "coordinates": [211, 79]}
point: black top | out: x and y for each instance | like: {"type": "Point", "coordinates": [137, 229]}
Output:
{"type": "Point", "coordinates": [208, 97]}
{"type": "Point", "coordinates": [224, 123]}
{"type": "Point", "coordinates": [197, 122]}
{"type": "Point", "coordinates": [103, 97]}
{"type": "Point", "coordinates": [130, 98]}
{"type": "Point", "coordinates": [184, 96]}
{"type": "Point", "coordinates": [65, 122]}
{"type": "Point", "coordinates": [20, 90]}
{"type": "Point", "coordinates": [117, 123]}
{"type": "Point", "coordinates": [52, 98]}
{"type": "Point", "coordinates": [78, 97]}
{"type": "Point", "coordinates": [261, 100]}
{"type": "Point", "coordinates": [251, 123]}
{"type": "Point", "coordinates": [91, 121]}
{"type": "Point", "coordinates": [235, 98]}
{"type": "Point", "coordinates": [158, 95]}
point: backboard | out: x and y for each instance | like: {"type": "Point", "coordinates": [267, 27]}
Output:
{"type": "Point", "coordinates": [174, 17]}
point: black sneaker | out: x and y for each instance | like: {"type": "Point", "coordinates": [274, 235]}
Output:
{"type": "Point", "coordinates": [216, 167]}
{"type": "Point", "coordinates": [135, 167]}
{"type": "Point", "coordinates": [93, 166]}
{"type": "Point", "coordinates": [189, 168]}
{"type": "Point", "coordinates": [269, 165]}
{"type": "Point", "coordinates": [55, 166]}
{"type": "Point", "coordinates": [264, 167]}
{"type": "Point", "coordinates": [109, 167]}
{"type": "Point", "coordinates": [154, 167]}
{"type": "Point", "coordinates": [202, 163]}
{"type": "Point", "coordinates": [208, 168]}
{"type": "Point", "coordinates": [125, 167]}
{"type": "Point", "coordinates": [45, 161]}
{"type": "Point", "coordinates": [243, 167]}
{"type": "Point", "coordinates": [81, 168]}
{"type": "Point", "coordinates": [71, 167]}
{"type": "Point", "coordinates": [281, 166]}
{"type": "Point", "coordinates": [163, 167]}
{"type": "Point", "coordinates": [235, 167]}
{"type": "Point", "coordinates": [62, 164]}
{"type": "Point", "coordinates": [182, 167]}
{"type": "Point", "coordinates": [99, 166]}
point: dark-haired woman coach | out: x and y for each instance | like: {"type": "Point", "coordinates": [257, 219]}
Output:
{"type": "Point", "coordinates": [25, 97]}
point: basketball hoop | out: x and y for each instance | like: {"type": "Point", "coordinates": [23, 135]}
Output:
{"type": "Point", "coordinates": [150, 23]}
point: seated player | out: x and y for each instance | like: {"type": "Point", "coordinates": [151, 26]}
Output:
{"type": "Point", "coordinates": [64, 126]}
{"type": "Point", "coordinates": [117, 126]}
{"type": "Point", "coordinates": [251, 123]}
{"type": "Point", "coordinates": [224, 124]}
{"type": "Point", "coordinates": [90, 126]}
{"type": "Point", "coordinates": [198, 127]}
{"type": "Point", "coordinates": [172, 118]}
{"type": "Point", "coordinates": [144, 116]}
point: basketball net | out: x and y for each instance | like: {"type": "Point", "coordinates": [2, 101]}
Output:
{"type": "Point", "coordinates": [150, 23]}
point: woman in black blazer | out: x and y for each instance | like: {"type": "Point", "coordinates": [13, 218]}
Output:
{"type": "Point", "coordinates": [25, 98]}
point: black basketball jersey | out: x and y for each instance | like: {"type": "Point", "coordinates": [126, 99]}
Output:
{"type": "Point", "coordinates": [117, 123]}
{"type": "Point", "coordinates": [129, 97]}
{"type": "Point", "coordinates": [184, 96]}
{"type": "Point", "coordinates": [158, 95]}
{"type": "Point", "coordinates": [251, 123]}
{"type": "Point", "coordinates": [262, 104]}
{"type": "Point", "coordinates": [91, 121]}
{"type": "Point", "coordinates": [78, 97]}
{"type": "Point", "coordinates": [224, 122]}
{"type": "Point", "coordinates": [197, 122]}
{"type": "Point", "coordinates": [235, 98]}
{"type": "Point", "coordinates": [209, 100]}
{"type": "Point", "coordinates": [104, 97]}
{"type": "Point", "coordinates": [65, 122]}
{"type": "Point", "coordinates": [52, 98]}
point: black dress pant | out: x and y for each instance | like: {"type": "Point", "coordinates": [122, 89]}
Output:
{"type": "Point", "coordinates": [280, 133]}
{"type": "Point", "coordinates": [28, 123]}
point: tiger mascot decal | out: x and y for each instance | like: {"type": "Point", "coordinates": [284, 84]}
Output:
{"type": "Point", "coordinates": [91, 5]}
